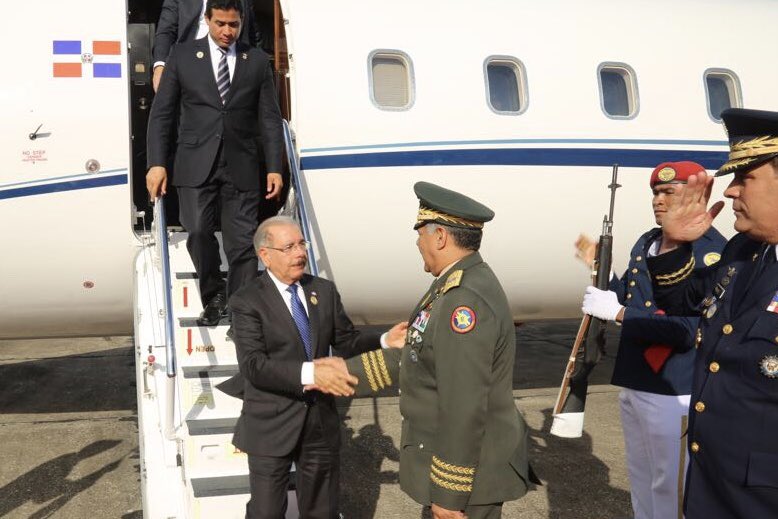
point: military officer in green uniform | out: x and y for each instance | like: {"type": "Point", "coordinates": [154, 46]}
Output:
{"type": "Point", "coordinates": [464, 443]}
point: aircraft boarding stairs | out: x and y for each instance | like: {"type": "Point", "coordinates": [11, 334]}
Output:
{"type": "Point", "coordinates": [189, 467]}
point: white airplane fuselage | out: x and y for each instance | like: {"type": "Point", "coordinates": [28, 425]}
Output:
{"type": "Point", "coordinates": [67, 223]}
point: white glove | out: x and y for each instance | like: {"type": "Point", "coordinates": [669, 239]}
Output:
{"type": "Point", "coordinates": [602, 304]}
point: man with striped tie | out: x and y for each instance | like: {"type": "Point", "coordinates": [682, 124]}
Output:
{"type": "Point", "coordinates": [224, 91]}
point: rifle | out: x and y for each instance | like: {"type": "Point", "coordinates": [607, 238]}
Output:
{"type": "Point", "coordinates": [589, 343]}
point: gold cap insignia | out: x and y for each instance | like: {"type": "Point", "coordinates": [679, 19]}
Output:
{"type": "Point", "coordinates": [666, 174]}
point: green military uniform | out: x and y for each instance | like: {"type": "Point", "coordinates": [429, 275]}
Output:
{"type": "Point", "coordinates": [464, 443]}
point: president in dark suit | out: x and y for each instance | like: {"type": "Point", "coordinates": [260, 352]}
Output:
{"type": "Point", "coordinates": [285, 322]}
{"type": "Point", "coordinates": [224, 94]}
{"type": "Point", "coordinates": [183, 20]}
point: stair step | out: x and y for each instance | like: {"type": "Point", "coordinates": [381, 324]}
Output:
{"type": "Point", "coordinates": [234, 507]}
{"type": "Point", "coordinates": [204, 346]}
{"type": "Point", "coordinates": [210, 371]}
{"type": "Point", "coordinates": [211, 426]}
{"type": "Point", "coordinates": [201, 399]}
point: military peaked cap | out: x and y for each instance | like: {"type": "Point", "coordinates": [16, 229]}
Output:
{"type": "Point", "coordinates": [440, 205]}
{"type": "Point", "coordinates": [753, 138]}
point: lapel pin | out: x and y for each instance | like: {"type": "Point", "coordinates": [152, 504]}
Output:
{"type": "Point", "coordinates": [200, 54]}
{"type": "Point", "coordinates": [314, 300]}
{"type": "Point", "coordinates": [244, 56]}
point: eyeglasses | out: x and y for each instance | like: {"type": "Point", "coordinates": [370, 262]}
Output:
{"type": "Point", "coordinates": [302, 245]}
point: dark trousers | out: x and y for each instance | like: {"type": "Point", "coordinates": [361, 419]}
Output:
{"type": "Point", "coordinates": [201, 210]}
{"type": "Point", "coordinates": [318, 471]}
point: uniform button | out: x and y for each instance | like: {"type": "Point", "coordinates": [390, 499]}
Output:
{"type": "Point", "coordinates": [399, 364]}
{"type": "Point", "coordinates": [727, 329]}
{"type": "Point", "coordinates": [399, 391]}
{"type": "Point", "coordinates": [639, 258]}
{"type": "Point", "coordinates": [421, 445]}
{"type": "Point", "coordinates": [648, 303]}
{"type": "Point", "coordinates": [699, 407]}
{"type": "Point", "coordinates": [629, 296]}
{"type": "Point", "coordinates": [714, 367]}
{"type": "Point", "coordinates": [632, 283]}
{"type": "Point", "coordinates": [634, 270]}
{"type": "Point", "coordinates": [695, 447]}
{"type": "Point", "coordinates": [776, 339]}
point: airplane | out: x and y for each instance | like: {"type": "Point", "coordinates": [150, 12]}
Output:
{"type": "Point", "coordinates": [523, 106]}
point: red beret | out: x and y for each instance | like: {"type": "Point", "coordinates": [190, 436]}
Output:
{"type": "Point", "coordinates": [674, 172]}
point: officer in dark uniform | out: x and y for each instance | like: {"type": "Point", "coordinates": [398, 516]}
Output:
{"type": "Point", "coordinates": [733, 422]}
{"type": "Point", "coordinates": [655, 358]}
{"type": "Point", "coordinates": [464, 443]}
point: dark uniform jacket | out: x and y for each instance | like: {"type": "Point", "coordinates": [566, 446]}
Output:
{"type": "Point", "coordinates": [656, 351]}
{"type": "Point", "coordinates": [271, 353]}
{"type": "Point", "coordinates": [249, 117]}
{"type": "Point", "coordinates": [733, 424]}
{"type": "Point", "coordinates": [463, 440]}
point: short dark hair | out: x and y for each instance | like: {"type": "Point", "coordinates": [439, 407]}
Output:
{"type": "Point", "coordinates": [468, 239]}
{"type": "Point", "coordinates": [223, 5]}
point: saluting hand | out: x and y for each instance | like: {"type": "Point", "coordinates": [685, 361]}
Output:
{"type": "Point", "coordinates": [395, 337]}
{"type": "Point", "coordinates": [156, 182]}
{"type": "Point", "coordinates": [274, 185]}
{"type": "Point", "coordinates": [331, 375]}
{"type": "Point", "coordinates": [688, 218]}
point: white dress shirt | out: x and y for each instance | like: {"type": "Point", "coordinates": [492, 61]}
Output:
{"type": "Point", "coordinates": [216, 56]}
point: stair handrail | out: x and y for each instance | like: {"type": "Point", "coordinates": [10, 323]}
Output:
{"type": "Point", "coordinates": [167, 285]}
{"type": "Point", "coordinates": [296, 193]}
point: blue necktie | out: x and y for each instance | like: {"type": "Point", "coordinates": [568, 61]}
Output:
{"type": "Point", "coordinates": [301, 320]}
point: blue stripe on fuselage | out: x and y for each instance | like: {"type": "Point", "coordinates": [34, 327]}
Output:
{"type": "Point", "coordinates": [72, 185]}
{"type": "Point", "coordinates": [636, 158]}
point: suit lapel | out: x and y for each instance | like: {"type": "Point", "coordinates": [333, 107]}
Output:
{"type": "Point", "coordinates": [312, 302]}
{"type": "Point", "coordinates": [242, 57]}
{"type": "Point", "coordinates": [280, 311]}
{"type": "Point", "coordinates": [206, 69]}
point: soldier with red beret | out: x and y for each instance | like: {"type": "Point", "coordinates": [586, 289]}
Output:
{"type": "Point", "coordinates": [655, 357]}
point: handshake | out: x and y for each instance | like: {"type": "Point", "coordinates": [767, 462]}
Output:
{"type": "Point", "coordinates": [331, 374]}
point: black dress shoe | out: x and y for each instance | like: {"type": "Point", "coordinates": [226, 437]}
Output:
{"type": "Point", "coordinates": [213, 311]}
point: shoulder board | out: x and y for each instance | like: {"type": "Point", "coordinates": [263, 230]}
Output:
{"type": "Point", "coordinates": [453, 280]}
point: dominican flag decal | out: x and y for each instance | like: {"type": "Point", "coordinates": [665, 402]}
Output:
{"type": "Point", "coordinates": [74, 58]}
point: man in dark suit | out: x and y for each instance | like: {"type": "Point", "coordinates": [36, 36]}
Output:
{"type": "Point", "coordinates": [223, 91]}
{"type": "Point", "coordinates": [183, 20]}
{"type": "Point", "coordinates": [285, 322]}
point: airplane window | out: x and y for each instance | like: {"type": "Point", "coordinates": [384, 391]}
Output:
{"type": "Point", "coordinates": [506, 87]}
{"type": "Point", "coordinates": [618, 91]}
{"type": "Point", "coordinates": [722, 89]}
{"type": "Point", "coordinates": [391, 80]}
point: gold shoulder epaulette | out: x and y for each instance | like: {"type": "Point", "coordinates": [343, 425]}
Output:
{"type": "Point", "coordinates": [453, 280]}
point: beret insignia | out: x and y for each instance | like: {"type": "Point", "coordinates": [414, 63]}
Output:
{"type": "Point", "coordinates": [463, 319]}
{"type": "Point", "coordinates": [711, 258]}
{"type": "Point", "coordinates": [666, 174]}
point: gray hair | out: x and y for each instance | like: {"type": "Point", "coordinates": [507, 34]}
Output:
{"type": "Point", "coordinates": [262, 234]}
{"type": "Point", "coordinates": [468, 239]}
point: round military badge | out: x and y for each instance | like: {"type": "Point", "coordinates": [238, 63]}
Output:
{"type": "Point", "coordinates": [769, 366]}
{"type": "Point", "coordinates": [462, 319]}
{"type": "Point", "coordinates": [711, 258]}
{"type": "Point", "coordinates": [666, 174]}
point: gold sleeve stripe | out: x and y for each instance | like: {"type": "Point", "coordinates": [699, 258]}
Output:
{"type": "Point", "coordinates": [456, 469]}
{"type": "Point", "coordinates": [678, 275]}
{"type": "Point", "coordinates": [450, 486]}
{"type": "Point", "coordinates": [374, 366]}
{"type": "Point", "coordinates": [369, 372]}
{"type": "Point", "coordinates": [382, 364]}
{"type": "Point", "coordinates": [451, 477]}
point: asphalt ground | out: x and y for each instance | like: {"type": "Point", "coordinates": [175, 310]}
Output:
{"type": "Point", "coordinates": [69, 445]}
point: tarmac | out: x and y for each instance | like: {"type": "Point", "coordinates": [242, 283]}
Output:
{"type": "Point", "coordinates": [69, 444]}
